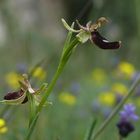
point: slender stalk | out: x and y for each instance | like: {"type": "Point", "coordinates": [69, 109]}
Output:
{"type": "Point", "coordinates": [32, 126]}
{"type": "Point", "coordinates": [57, 74]}
{"type": "Point", "coordinates": [32, 108]}
{"type": "Point", "coordinates": [116, 110]}
{"type": "Point", "coordinates": [90, 131]}
{"type": "Point", "coordinates": [59, 70]}
{"type": "Point", "coordinates": [34, 120]}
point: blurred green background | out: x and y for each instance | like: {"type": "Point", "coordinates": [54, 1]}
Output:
{"type": "Point", "coordinates": [31, 31]}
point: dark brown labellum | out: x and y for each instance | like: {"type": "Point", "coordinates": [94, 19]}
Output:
{"type": "Point", "coordinates": [15, 95]}
{"type": "Point", "coordinates": [102, 42]}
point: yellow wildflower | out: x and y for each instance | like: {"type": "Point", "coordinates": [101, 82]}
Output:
{"type": "Point", "coordinates": [107, 98]}
{"type": "Point", "coordinates": [3, 128]}
{"type": "Point", "coordinates": [98, 75]}
{"type": "Point", "coordinates": [126, 69]}
{"type": "Point", "coordinates": [39, 73]}
{"type": "Point", "coordinates": [120, 89]}
{"type": "Point", "coordinates": [12, 79]}
{"type": "Point", "coordinates": [67, 98]}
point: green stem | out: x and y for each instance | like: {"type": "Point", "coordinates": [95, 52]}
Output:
{"type": "Point", "coordinates": [34, 120]}
{"type": "Point", "coordinates": [116, 110]}
{"type": "Point", "coordinates": [32, 108]}
{"type": "Point", "coordinates": [32, 126]}
{"type": "Point", "coordinates": [59, 70]}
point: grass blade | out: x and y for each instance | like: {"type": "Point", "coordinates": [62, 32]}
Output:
{"type": "Point", "coordinates": [90, 130]}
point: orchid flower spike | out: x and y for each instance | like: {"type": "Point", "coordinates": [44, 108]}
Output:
{"type": "Point", "coordinates": [90, 32]}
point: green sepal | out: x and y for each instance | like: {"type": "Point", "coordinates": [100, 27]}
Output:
{"type": "Point", "coordinates": [68, 27]}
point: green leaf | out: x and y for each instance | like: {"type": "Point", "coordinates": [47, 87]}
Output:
{"type": "Point", "coordinates": [91, 129]}
{"type": "Point", "coordinates": [68, 40]}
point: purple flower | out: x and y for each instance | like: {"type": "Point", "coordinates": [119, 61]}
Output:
{"type": "Point", "coordinates": [127, 115]}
